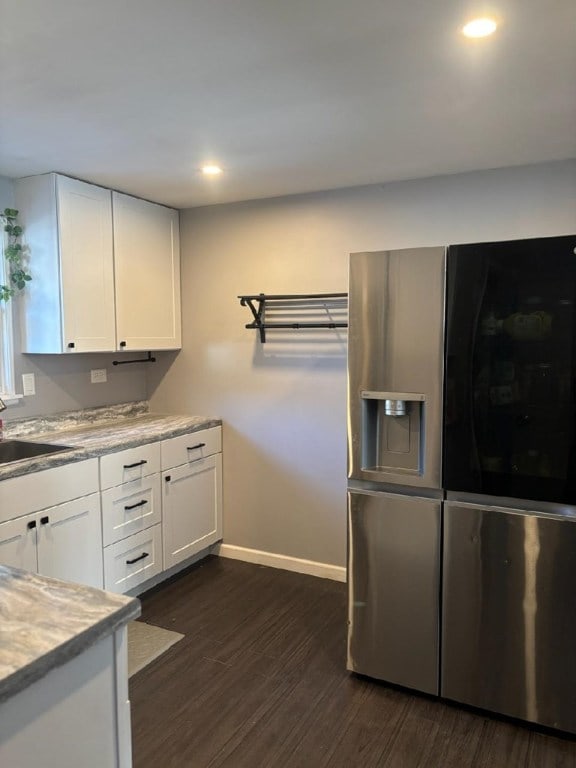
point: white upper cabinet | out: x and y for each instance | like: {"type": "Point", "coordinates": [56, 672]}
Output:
{"type": "Point", "coordinates": [147, 262]}
{"type": "Point", "coordinates": [69, 303]}
{"type": "Point", "coordinates": [105, 269]}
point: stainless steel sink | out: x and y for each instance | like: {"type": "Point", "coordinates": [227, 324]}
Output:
{"type": "Point", "coordinates": [16, 450]}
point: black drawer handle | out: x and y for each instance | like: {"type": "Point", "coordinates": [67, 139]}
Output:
{"type": "Point", "coordinates": [71, 345]}
{"type": "Point", "coordinates": [136, 464]}
{"type": "Point", "coordinates": [31, 525]}
{"type": "Point", "coordinates": [133, 506]}
{"type": "Point", "coordinates": [193, 447]}
{"type": "Point", "coordinates": [142, 556]}
{"type": "Point", "coordinates": [44, 520]}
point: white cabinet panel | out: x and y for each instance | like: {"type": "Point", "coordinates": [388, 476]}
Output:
{"type": "Point", "coordinates": [147, 262]}
{"type": "Point", "coordinates": [69, 303]}
{"type": "Point", "coordinates": [18, 543]}
{"type": "Point", "coordinates": [129, 465]}
{"type": "Point", "coordinates": [70, 541]}
{"type": "Point", "coordinates": [133, 560]}
{"type": "Point", "coordinates": [188, 448]}
{"type": "Point", "coordinates": [71, 717]}
{"type": "Point", "coordinates": [29, 493]}
{"type": "Point", "coordinates": [191, 508]}
{"type": "Point", "coordinates": [86, 256]}
{"type": "Point", "coordinates": [64, 542]}
{"type": "Point", "coordinates": [130, 508]}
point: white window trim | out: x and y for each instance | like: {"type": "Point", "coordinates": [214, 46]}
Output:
{"type": "Point", "coordinates": [7, 381]}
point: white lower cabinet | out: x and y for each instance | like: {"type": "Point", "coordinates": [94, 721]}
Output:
{"type": "Point", "coordinates": [191, 508]}
{"type": "Point", "coordinates": [64, 542]}
{"type": "Point", "coordinates": [133, 560]}
{"type": "Point", "coordinates": [50, 523]}
{"type": "Point", "coordinates": [125, 523]}
{"type": "Point", "coordinates": [76, 716]}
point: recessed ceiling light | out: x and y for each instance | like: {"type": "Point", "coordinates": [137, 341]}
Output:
{"type": "Point", "coordinates": [479, 28]}
{"type": "Point", "coordinates": [211, 170]}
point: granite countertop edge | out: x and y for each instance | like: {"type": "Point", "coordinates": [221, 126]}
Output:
{"type": "Point", "coordinates": [42, 661]}
{"type": "Point", "coordinates": [107, 438]}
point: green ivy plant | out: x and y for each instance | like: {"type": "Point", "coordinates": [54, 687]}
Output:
{"type": "Point", "coordinates": [14, 254]}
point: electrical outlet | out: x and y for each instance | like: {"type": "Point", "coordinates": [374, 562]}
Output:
{"type": "Point", "coordinates": [28, 384]}
{"type": "Point", "coordinates": [98, 376]}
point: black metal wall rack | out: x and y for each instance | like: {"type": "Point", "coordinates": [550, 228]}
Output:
{"type": "Point", "coordinates": [286, 306]}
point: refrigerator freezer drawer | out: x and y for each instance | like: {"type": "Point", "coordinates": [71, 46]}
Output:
{"type": "Point", "coordinates": [509, 624]}
{"type": "Point", "coordinates": [393, 601]}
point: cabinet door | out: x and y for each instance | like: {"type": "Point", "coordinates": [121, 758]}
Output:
{"type": "Point", "coordinates": [87, 267]}
{"type": "Point", "coordinates": [191, 508]}
{"type": "Point", "coordinates": [18, 543]}
{"type": "Point", "coordinates": [70, 541]}
{"type": "Point", "coordinates": [147, 264]}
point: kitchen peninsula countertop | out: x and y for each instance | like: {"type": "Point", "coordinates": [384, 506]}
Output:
{"type": "Point", "coordinates": [103, 431]}
{"type": "Point", "coordinates": [46, 622]}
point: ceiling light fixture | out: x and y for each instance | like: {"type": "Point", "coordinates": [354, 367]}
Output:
{"type": "Point", "coordinates": [211, 170]}
{"type": "Point", "coordinates": [479, 28]}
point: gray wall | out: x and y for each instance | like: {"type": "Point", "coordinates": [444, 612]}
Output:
{"type": "Point", "coordinates": [284, 403]}
{"type": "Point", "coordinates": [63, 381]}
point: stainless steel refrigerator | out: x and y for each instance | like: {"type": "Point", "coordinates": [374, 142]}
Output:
{"type": "Point", "coordinates": [462, 474]}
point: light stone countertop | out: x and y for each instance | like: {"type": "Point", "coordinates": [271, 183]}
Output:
{"type": "Point", "coordinates": [95, 438]}
{"type": "Point", "coordinates": [46, 622]}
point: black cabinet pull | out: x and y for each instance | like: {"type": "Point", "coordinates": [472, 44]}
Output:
{"type": "Point", "coordinates": [31, 525]}
{"type": "Point", "coordinates": [136, 464]}
{"type": "Point", "coordinates": [138, 504]}
{"type": "Point", "coordinates": [168, 478]}
{"type": "Point", "coordinates": [142, 556]}
{"type": "Point", "coordinates": [71, 345]}
{"type": "Point", "coordinates": [44, 520]}
{"type": "Point", "coordinates": [122, 343]}
{"type": "Point", "coordinates": [193, 447]}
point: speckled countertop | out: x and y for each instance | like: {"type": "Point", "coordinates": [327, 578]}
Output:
{"type": "Point", "coordinates": [95, 432]}
{"type": "Point", "coordinates": [45, 622]}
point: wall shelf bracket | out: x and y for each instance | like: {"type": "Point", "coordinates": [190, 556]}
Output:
{"type": "Point", "coordinates": [295, 311]}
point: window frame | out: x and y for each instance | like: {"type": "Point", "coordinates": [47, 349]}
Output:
{"type": "Point", "coordinates": [7, 379]}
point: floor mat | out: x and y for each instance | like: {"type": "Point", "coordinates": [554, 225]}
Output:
{"type": "Point", "coordinates": [146, 643]}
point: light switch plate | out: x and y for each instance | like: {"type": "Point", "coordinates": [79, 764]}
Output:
{"type": "Point", "coordinates": [98, 375]}
{"type": "Point", "coordinates": [28, 384]}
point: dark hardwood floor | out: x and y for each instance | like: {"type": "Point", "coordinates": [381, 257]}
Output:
{"type": "Point", "coordinates": [260, 681]}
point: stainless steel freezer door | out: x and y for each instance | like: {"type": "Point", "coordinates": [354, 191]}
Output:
{"type": "Point", "coordinates": [394, 585]}
{"type": "Point", "coordinates": [509, 613]}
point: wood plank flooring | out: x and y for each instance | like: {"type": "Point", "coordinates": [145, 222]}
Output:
{"type": "Point", "coordinates": [260, 681]}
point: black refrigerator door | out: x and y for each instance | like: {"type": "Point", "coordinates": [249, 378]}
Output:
{"type": "Point", "coordinates": [510, 399]}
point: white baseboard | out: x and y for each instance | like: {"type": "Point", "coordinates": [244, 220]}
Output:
{"type": "Point", "coordinates": [323, 570]}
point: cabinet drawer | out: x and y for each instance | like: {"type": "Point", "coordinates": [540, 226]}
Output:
{"type": "Point", "coordinates": [130, 508]}
{"type": "Point", "coordinates": [187, 448]}
{"type": "Point", "coordinates": [133, 560]}
{"type": "Point", "coordinates": [29, 493]}
{"type": "Point", "coordinates": [129, 465]}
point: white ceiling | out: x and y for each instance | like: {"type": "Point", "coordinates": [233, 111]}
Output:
{"type": "Point", "coordinates": [287, 95]}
